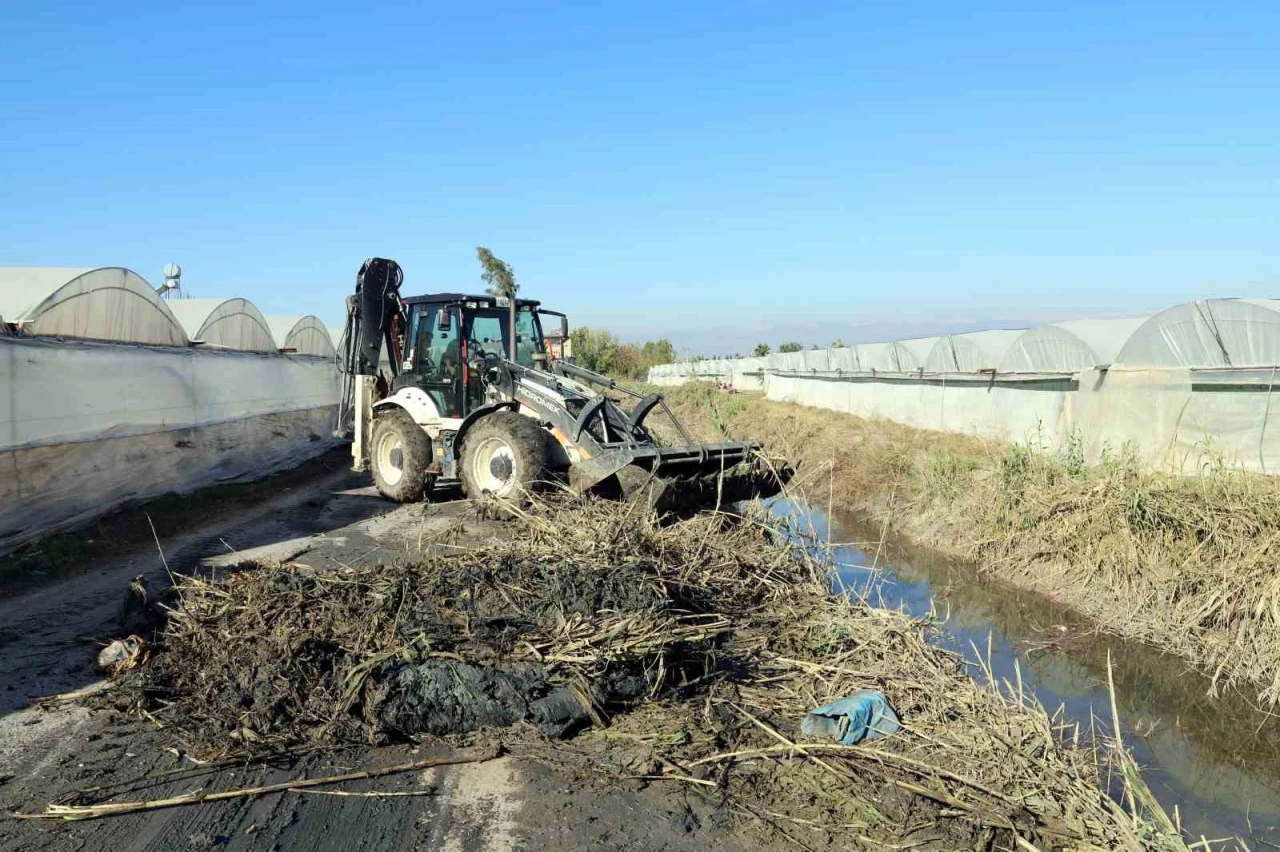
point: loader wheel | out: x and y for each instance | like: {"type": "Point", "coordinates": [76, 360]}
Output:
{"type": "Point", "coordinates": [400, 453]}
{"type": "Point", "coordinates": [505, 454]}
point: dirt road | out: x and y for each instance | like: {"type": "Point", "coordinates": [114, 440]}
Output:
{"type": "Point", "coordinates": [50, 636]}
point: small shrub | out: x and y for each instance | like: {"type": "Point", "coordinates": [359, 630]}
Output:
{"type": "Point", "coordinates": [1071, 454]}
{"type": "Point", "coordinates": [1015, 467]}
{"type": "Point", "coordinates": [947, 474]}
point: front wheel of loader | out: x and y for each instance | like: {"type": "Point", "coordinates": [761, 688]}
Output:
{"type": "Point", "coordinates": [506, 455]}
{"type": "Point", "coordinates": [400, 453]}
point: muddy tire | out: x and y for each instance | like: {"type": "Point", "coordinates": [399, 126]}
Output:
{"type": "Point", "coordinates": [399, 454]}
{"type": "Point", "coordinates": [505, 454]}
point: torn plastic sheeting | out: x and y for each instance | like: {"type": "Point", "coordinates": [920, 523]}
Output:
{"type": "Point", "coordinates": [866, 714]}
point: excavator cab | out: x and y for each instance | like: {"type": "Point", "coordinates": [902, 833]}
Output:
{"type": "Point", "coordinates": [449, 334]}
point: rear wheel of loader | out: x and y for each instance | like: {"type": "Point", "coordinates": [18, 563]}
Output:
{"type": "Point", "coordinates": [400, 454]}
{"type": "Point", "coordinates": [505, 454]}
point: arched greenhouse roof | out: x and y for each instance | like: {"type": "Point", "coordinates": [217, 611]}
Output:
{"type": "Point", "coordinates": [880, 357]}
{"type": "Point", "coordinates": [914, 352]}
{"type": "Point", "coordinates": [1069, 347]}
{"type": "Point", "coordinates": [224, 323]}
{"type": "Point", "coordinates": [107, 303]}
{"type": "Point", "coordinates": [971, 351]}
{"type": "Point", "coordinates": [306, 335]}
{"type": "Point", "coordinates": [1207, 333]}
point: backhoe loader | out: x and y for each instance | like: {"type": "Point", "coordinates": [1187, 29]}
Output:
{"type": "Point", "coordinates": [452, 388]}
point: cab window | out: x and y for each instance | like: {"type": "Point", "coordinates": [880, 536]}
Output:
{"type": "Point", "coordinates": [489, 333]}
{"type": "Point", "coordinates": [528, 337]}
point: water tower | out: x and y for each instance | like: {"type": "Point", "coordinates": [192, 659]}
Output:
{"type": "Point", "coordinates": [172, 280]}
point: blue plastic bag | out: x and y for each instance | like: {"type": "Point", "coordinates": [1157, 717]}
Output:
{"type": "Point", "coordinates": [864, 715]}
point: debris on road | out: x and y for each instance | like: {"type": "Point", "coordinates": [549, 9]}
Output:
{"type": "Point", "coordinates": [82, 812]}
{"type": "Point", "coordinates": [121, 656]}
{"type": "Point", "coordinates": [599, 638]}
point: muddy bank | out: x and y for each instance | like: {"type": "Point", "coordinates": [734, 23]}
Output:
{"type": "Point", "coordinates": [1185, 564]}
{"type": "Point", "coordinates": [683, 654]}
{"type": "Point", "coordinates": [1215, 760]}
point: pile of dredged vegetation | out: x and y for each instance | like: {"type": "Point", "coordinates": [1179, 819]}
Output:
{"type": "Point", "coordinates": [685, 652]}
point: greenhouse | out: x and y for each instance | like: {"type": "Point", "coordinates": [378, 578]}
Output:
{"type": "Point", "coordinates": [302, 335]}
{"type": "Point", "coordinates": [970, 352]}
{"type": "Point", "coordinates": [106, 303]}
{"type": "Point", "coordinates": [1069, 347]}
{"type": "Point", "coordinates": [1212, 333]}
{"type": "Point", "coordinates": [913, 353]}
{"type": "Point", "coordinates": [224, 324]}
{"type": "Point", "coordinates": [879, 357]}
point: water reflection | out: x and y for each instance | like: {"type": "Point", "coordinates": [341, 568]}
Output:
{"type": "Point", "coordinates": [1217, 760]}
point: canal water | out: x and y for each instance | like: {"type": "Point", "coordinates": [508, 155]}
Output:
{"type": "Point", "coordinates": [1215, 760]}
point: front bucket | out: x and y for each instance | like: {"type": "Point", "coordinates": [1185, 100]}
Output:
{"type": "Point", "coordinates": [754, 480]}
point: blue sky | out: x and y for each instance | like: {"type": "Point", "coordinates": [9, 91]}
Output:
{"type": "Point", "coordinates": [745, 169]}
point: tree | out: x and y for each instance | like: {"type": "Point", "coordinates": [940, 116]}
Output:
{"type": "Point", "coordinates": [837, 344]}
{"type": "Point", "coordinates": [656, 352]}
{"type": "Point", "coordinates": [595, 350]}
{"type": "Point", "coordinates": [790, 347]}
{"type": "Point", "coordinates": [762, 349]}
{"type": "Point", "coordinates": [501, 278]}
{"type": "Point", "coordinates": [601, 350]}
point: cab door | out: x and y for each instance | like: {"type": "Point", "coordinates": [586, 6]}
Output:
{"type": "Point", "coordinates": [435, 356]}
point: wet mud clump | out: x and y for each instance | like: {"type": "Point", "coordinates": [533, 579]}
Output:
{"type": "Point", "coordinates": [446, 698]}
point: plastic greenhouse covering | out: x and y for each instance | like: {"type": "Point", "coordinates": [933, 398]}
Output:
{"type": "Point", "coordinates": [305, 335]}
{"type": "Point", "coordinates": [815, 359]}
{"type": "Point", "coordinates": [107, 303]}
{"type": "Point", "coordinates": [879, 357]}
{"type": "Point", "coordinates": [1067, 347]}
{"type": "Point", "coordinates": [970, 352]}
{"type": "Point", "coordinates": [1208, 333]}
{"type": "Point", "coordinates": [844, 359]}
{"type": "Point", "coordinates": [914, 352]}
{"type": "Point", "coordinates": [225, 324]}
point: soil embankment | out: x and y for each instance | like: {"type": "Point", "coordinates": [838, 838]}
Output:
{"type": "Point", "coordinates": [1185, 564]}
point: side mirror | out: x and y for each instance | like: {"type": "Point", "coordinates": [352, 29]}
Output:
{"type": "Point", "coordinates": [446, 320]}
{"type": "Point", "coordinates": [564, 328]}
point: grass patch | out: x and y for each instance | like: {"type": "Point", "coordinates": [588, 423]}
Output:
{"type": "Point", "coordinates": [1185, 563]}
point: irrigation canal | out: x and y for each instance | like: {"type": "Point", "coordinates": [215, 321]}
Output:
{"type": "Point", "coordinates": [1216, 760]}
